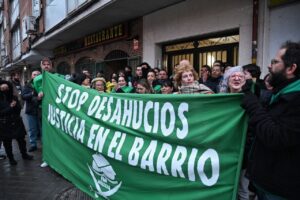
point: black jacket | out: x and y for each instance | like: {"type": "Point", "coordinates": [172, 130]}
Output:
{"type": "Point", "coordinates": [11, 124]}
{"type": "Point", "coordinates": [30, 97]}
{"type": "Point", "coordinates": [274, 160]}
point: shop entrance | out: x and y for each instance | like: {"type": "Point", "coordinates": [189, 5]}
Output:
{"type": "Point", "coordinates": [202, 51]}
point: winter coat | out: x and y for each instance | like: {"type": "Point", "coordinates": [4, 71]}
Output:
{"type": "Point", "coordinates": [274, 157]}
{"type": "Point", "coordinates": [31, 101]}
{"type": "Point", "coordinates": [11, 124]}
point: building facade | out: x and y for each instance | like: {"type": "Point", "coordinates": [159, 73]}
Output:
{"type": "Point", "coordinates": [106, 35]}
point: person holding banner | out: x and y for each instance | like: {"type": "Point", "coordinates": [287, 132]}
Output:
{"type": "Point", "coordinates": [46, 65]}
{"type": "Point", "coordinates": [99, 84]}
{"type": "Point", "coordinates": [233, 82]}
{"type": "Point", "coordinates": [274, 162]}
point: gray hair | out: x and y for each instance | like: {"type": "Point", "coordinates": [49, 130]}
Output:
{"type": "Point", "coordinates": [224, 88]}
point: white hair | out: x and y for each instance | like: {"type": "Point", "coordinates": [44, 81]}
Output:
{"type": "Point", "coordinates": [224, 88]}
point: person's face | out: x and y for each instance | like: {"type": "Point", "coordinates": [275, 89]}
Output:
{"type": "Point", "coordinates": [187, 78]}
{"type": "Point", "coordinates": [35, 74]}
{"type": "Point", "coordinates": [236, 81]}
{"type": "Point", "coordinates": [86, 82]}
{"type": "Point", "coordinates": [140, 89]}
{"type": "Point", "coordinates": [16, 77]}
{"type": "Point", "coordinates": [150, 77]}
{"type": "Point", "coordinates": [247, 75]}
{"type": "Point", "coordinates": [99, 85]}
{"type": "Point", "coordinates": [204, 71]}
{"type": "Point", "coordinates": [156, 73]}
{"type": "Point", "coordinates": [139, 71]}
{"type": "Point", "coordinates": [46, 66]}
{"type": "Point", "coordinates": [162, 75]}
{"type": "Point", "coordinates": [277, 69]}
{"type": "Point", "coordinates": [166, 89]}
{"type": "Point", "coordinates": [121, 82]}
{"type": "Point", "coordinates": [4, 87]}
{"type": "Point", "coordinates": [216, 72]}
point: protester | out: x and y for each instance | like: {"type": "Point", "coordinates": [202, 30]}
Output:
{"type": "Point", "coordinates": [138, 75]}
{"type": "Point", "coordinates": [17, 86]}
{"type": "Point", "coordinates": [233, 81]}
{"type": "Point", "coordinates": [216, 77]}
{"type": "Point", "coordinates": [128, 75]}
{"type": "Point", "coordinates": [46, 65]}
{"type": "Point", "coordinates": [185, 79]}
{"type": "Point", "coordinates": [111, 85]}
{"type": "Point", "coordinates": [122, 86]}
{"type": "Point", "coordinates": [11, 124]}
{"type": "Point", "coordinates": [274, 159]}
{"type": "Point", "coordinates": [167, 87]}
{"type": "Point", "coordinates": [162, 76]}
{"type": "Point", "coordinates": [29, 95]}
{"type": "Point", "coordinates": [143, 87]}
{"type": "Point", "coordinates": [205, 74]}
{"type": "Point", "coordinates": [99, 84]}
{"type": "Point", "coordinates": [151, 78]}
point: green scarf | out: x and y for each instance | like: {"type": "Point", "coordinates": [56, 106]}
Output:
{"type": "Point", "coordinates": [293, 87]}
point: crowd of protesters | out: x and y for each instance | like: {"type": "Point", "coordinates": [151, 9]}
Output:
{"type": "Point", "coordinates": [272, 150]}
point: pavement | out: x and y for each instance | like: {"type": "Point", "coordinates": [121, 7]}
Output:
{"type": "Point", "coordinates": [28, 181]}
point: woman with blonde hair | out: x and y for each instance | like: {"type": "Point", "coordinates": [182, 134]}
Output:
{"type": "Point", "coordinates": [186, 80]}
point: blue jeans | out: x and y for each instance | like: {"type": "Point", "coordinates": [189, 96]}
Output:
{"type": "Point", "coordinates": [33, 129]}
{"type": "Point", "coordinates": [264, 195]}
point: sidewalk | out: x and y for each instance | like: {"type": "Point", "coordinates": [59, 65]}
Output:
{"type": "Point", "coordinates": [28, 181]}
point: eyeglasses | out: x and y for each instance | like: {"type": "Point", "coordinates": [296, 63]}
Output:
{"type": "Point", "coordinates": [274, 61]}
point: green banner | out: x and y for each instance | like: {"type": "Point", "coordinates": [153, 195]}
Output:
{"type": "Point", "coordinates": [132, 146]}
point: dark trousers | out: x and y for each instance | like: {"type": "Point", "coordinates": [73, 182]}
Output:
{"type": "Point", "coordinates": [7, 143]}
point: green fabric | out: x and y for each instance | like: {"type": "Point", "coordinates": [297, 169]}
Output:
{"type": "Point", "coordinates": [157, 89]}
{"type": "Point", "coordinates": [127, 89]}
{"type": "Point", "coordinates": [293, 87]}
{"type": "Point", "coordinates": [143, 146]}
{"type": "Point", "coordinates": [38, 83]}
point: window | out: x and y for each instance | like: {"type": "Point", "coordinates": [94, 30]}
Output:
{"type": "Point", "coordinates": [14, 11]}
{"type": "Point", "coordinates": [16, 43]}
{"type": "Point", "coordinates": [74, 4]}
{"type": "Point", "coordinates": [202, 51]}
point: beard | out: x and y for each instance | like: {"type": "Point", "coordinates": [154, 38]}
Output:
{"type": "Point", "coordinates": [277, 78]}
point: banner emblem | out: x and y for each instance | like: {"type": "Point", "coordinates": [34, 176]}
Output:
{"type": "Point", "coordinates": [104, 177]}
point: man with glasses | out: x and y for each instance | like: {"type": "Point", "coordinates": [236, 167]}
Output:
{"type": "Point", "coordinates": [274, 156]}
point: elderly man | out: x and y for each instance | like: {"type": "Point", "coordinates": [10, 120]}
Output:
{"type": "Point", "coordinates": [274, 157]}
